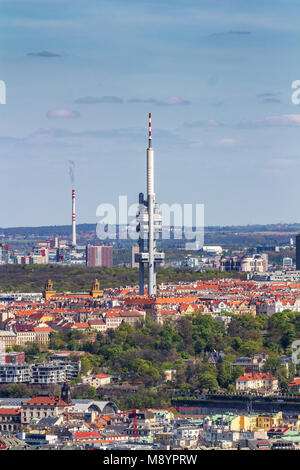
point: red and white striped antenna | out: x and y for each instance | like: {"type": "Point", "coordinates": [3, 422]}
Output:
{"type": "Point", "coordinates": [150, 136]}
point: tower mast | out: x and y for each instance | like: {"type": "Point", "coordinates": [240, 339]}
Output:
{"type": "Point", "coordinates": [149, 223]}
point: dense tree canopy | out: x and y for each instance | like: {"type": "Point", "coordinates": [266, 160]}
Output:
{"type": "Point", "coordinates": [143, 354]}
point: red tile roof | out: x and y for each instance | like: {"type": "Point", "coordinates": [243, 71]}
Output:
{"type": "Point", "coordinates": [43, 329]}
{"type": "Point", "coordinates": [101, 376]}
{"type": "Point", "coordinates": [87, 435]}
{"type": "Point", "coordinates": [10, 411]}
{"type": "Point", "coordinates": [45, 401]}
{"type": "Point", "coordinates": [262, 376]}
{"type": "Point", "coordinates": [81, 325]}
{"type": "Point", "coordinates": [294, 382]}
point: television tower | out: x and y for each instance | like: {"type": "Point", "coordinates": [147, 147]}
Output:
{"type": "Point", "coordinates": [149, 225]}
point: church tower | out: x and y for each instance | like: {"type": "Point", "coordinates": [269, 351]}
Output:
{"type": "Point", "coordinates": [66, 394]}
{"type": "Point", "coordinates": [48, 291]}
{"type": "Point", "coordinates": [96, 292]}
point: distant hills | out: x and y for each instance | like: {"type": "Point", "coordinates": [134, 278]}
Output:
{"type": "Point", "coordinates": [64, 230]}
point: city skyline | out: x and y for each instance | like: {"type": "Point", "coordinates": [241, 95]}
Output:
{"type": "Point", "coordinates": [81, 80]}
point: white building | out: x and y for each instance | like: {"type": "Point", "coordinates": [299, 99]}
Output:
{"type": "Point", "coordinates": [97, 380]}
{"type": "Point", "coordinates": [217, 250]}
{"type": "Point", "coordinates": [260, 381]}
{"type": "Point", "coordinates": [286, 262]}
{"type": "Point", "coordinates": [15, 373]}
{"type": "Point", "coordinates": [48, 373]}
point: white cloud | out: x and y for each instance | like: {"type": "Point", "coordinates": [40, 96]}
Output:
{"type": "Point", "coordinates": [226, 142]}
{"type": "Point", "coordinates": [173, 101]}
{"type": "Point", "coordinates": [62, 113]}
{"type": "Point", "coordinates": [284, 120]}
{"type": "Point", "coordinates": [208, 123]}
{"type": "Point", "coordinates": [97, 100]}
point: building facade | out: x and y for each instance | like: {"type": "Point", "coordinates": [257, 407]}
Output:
{"type": "Point", "coordinates": [15, 373]}
{"type": "Point", "coordinates": [42, 407]}
{"type": "Point", "coordinates": [99, 255]}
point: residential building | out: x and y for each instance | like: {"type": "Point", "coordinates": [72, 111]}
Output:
{"type": "Point", "coordinates": [132, 316]}
{"type": "Point", "coordinates": [25, 334]}
{"type": "Point", "coordinates": [15, 373]}
{"type": "Point", "coordinates": [294, 386]}
{"type": "Point", "coordinates": [8, 338]}
{"type": "Point", "coordinates": [42, 334]}
{"type": "Point", "coordinates": [255, 382]}
{"type": "Point", "coordinates": [98, 324]}
{"type": "Point", "coordinates": [251, 364]}
{"type": "Point", "coordinates": [113, 319]}
{"type": "Point", "coordinates": [10, 419]}
{"type": "Point", "coordinates": [97, 380]}
{"type": "Point", "coordinates": [99, 255]}
{"type": "Point", "coordinates": [52, 373]}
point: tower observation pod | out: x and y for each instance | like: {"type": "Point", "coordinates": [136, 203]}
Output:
{"type": "Point", "coordinates": [149, 225]}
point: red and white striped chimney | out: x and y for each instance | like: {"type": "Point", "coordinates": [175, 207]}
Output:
{"type": "Point", "coordinates": [73, 219]}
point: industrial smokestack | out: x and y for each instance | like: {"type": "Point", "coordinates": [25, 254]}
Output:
{"type": "Point", "coordinates": [73, 219]}
{"type": "Point", "coordinates": [151, 201]}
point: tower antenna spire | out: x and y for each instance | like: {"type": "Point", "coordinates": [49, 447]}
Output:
{"type": "Point", "coordinates": [150, 135]}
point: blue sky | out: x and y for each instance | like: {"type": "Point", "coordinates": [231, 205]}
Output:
{"type": "Point", "coordinates": [82, 75]}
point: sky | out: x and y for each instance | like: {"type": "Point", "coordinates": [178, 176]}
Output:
{"type": "Point", "coordinates": [82, 75]}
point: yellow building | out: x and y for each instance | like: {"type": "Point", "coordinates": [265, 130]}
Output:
{"type": "Point", "coordinates": [255, 422]}
{"type": "Point", "coordinates": [269, 420]}
{"type": "Point", "coordinates": [235, 424]}
{"type": "Point", "coordinates": [48, 291]}
{"type": "Point", "coordinates": [96, 292]}
{"type": "Point", "coordinates": [245, 423]}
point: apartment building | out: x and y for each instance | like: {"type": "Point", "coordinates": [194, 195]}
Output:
{"type": "Point", "coordinates": [42, 334]}
{"type": "Point", "coordinates": [24, 334]}
{"type": "Point", "coordinates": [52, 373]}
{"type": "Point", "coordinates": [8, 338]}
{"type": "Point", "coordinates": [97, 324]}
{"type": "Point", "coordinates": [10, 419]}
{"type": "Point", "coordinates": [15, 373]}
{"type": "Point", "coordinates": [39, 374]}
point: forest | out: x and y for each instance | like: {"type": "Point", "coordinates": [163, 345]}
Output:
{"type": "Point", "coordinates": [140, 355]}
{"type": "Point", "coordinates": [32, 278]}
